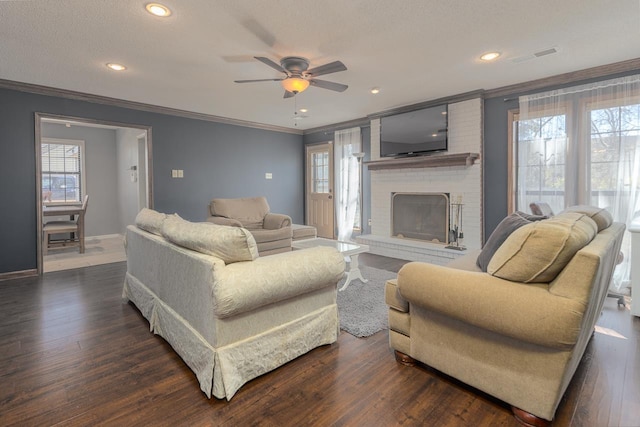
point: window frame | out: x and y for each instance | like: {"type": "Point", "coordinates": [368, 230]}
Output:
{"type": "Point", "coordinates": [586, 106]}
{"type": "Point", "coordinates": [82, 175]}
{"type": "Point", "coordinates": [513, 116]}
{"type": "Point", "coordinates": [578, 127]}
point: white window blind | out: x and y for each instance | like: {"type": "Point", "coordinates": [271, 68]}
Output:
{"type": "Point", "coordinates": [62, 162]}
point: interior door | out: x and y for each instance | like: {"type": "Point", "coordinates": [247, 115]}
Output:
{"type": "Point", "coordinates": [319, 178]}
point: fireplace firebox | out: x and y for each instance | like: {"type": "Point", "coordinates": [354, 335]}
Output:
{"type": "Point", "coordinates": [420, 216]}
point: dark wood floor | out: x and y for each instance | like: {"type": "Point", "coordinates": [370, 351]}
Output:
{"type": "Point", "coordinates": [71, 353]}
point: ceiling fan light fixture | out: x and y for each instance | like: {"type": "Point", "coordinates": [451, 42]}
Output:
{"type": "Point", "coordinates": [295, 84]}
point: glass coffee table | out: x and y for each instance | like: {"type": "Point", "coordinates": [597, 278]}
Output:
{"type": "Point", "coordinates": [348, 249]}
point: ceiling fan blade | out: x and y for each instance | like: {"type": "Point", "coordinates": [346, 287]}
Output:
{"type": "Point", "coordinates": [258, 80]}
{"type": "Point", "coordinates": [288, 94]}
{"type": "Point", "coordinates": [332, 67]}
{"type": "Point", "coordinates": [270, 63]}
{"type": "Point", "coordinates": [338, 87]}
{"type": "Point", "coordinates": [259, 31]}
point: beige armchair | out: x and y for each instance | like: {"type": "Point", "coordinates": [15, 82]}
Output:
{"type": "Point", "coordinates": [271, 231]}
{"type": "Point", "coordinates": [518, 330]}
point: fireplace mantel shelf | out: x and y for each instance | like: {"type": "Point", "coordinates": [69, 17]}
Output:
{"type": "Point", "coordinates": [436, 161]}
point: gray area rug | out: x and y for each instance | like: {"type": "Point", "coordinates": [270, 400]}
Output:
{"type": "Point", "coordinates": [361, 306]}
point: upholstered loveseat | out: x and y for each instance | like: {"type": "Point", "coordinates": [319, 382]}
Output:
{"type": "Point", "coordinates": [518, 330]}
{"type": "Point", "coordinates": [272, 231]}
{"type": "Point", "coordinates": [229, 314]}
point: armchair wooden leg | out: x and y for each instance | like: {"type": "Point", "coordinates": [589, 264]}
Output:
{"type": "Point", "coordinates": [404, 359]}
{"type": "Point", "coordinates": [527, 419]}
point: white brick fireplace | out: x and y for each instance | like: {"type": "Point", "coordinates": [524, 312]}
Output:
{"type": "Point", "coordinates": [465, 182]}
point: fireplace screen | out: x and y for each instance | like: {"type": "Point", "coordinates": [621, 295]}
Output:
{"type": "Point", "coordinates": [420, 216]}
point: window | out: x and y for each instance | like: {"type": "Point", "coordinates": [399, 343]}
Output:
{"type": "Point", "coordinates": [62, 170]}
{"type": "Point", "coordinates": [347, 151]}
{"type": "Point", "coordinates": [580, 145]}
{"type": "Point", "coordinates": [614, 147]}
{"type": "Point", "coordinates": [320, 172]}
{"type": "Point", "coordinates": [541, 148]}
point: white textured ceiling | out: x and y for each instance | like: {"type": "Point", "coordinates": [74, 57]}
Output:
{"type": "Point", "coordinates": [414, 50]}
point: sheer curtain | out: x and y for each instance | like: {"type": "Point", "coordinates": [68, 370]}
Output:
{"type": "Point", "coordinates": [581, 145]}
{"type": "Point", "coordinates": [347, 179]}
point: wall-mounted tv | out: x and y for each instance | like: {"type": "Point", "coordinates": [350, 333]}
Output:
{"type": "Point", "coordinates": [414, 133]}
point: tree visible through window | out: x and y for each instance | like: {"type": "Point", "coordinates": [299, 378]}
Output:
{"type": "Point", "coordinates": [580, 145]}
{"type": "Point", "coordinates": [542, 146]}
{"type": "Point", "coordinates": [62, 171]}
{"type": "Point", "coordinates": [614, 148]}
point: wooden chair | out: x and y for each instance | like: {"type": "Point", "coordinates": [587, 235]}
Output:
{"type": "Point", "coordinates": [74, 226]}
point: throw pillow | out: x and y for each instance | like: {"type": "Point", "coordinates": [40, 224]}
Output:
{"type": "Point", "coordinates": [230, 244]}
{"type": "Point", "coordinates": [151, 221]}
{"type": "Point", "coordinates": [500, 234]}
{"type": "Point", "coordinates": [538, 251]}
{"type": "Point", "coordinates": [601, 216]}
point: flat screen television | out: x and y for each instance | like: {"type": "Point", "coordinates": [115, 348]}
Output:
{"type": "Point", "coordinates": [414, 133]}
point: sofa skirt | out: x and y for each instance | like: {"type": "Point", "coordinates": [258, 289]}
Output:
{"type": "Point", "coordinates": [222, 371]}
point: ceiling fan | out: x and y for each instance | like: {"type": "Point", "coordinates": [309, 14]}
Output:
{"type": "Point", "coordinates": [298, 77]}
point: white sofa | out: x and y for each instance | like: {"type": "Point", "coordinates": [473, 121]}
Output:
{"type": "Point", "coordinates": [229, 314]}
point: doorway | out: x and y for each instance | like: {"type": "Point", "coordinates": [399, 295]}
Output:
{"type": "Point", "coordinates": [319, 185]}
{"type": "Point", "coordinates": [116, 174]}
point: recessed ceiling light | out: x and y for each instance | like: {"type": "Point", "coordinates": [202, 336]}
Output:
{"type": "Point", "coordinates": [158, 10]}
{"type": "Point", "coordinates": [303, 110]}
{"type": "Point", "coordinates": [116, 67]}
{"type": "Point", "coordinates": [490, 56]}
{"type": "Point", "coordinates": [375, 90]}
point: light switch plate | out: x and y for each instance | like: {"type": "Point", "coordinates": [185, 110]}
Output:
{"type": "Point", "coordinates": [268, 175]}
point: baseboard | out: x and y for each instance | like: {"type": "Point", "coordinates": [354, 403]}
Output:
{"type": "Point", "coordinates": [18, 274]}
{"type": "Point", "coordinates": [105, 236]}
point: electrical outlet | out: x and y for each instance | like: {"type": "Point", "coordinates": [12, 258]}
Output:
{"type": "Point", "coordinates": [180, 173]}
{"type": "Point", "coordinates": [174, 173]}
{"type": "Point", "coordinates": [369, 222]}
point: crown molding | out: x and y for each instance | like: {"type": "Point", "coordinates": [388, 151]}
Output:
{"type": "Point", "coordinates": [366, 121]}
{"type": "Point", "coordinates": [114, 102]}
{"type": "Point", "coordinates": [426, 104]}
{"type": "Point", "coordinates": [566, 78]}
{"type": "Point", "coordinates": [360, 122]}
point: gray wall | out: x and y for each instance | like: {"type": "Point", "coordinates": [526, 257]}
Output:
{"type": "Point", "coordinates": [219, 160]}
{"type": "Point", "coordinates": [100, 174]}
